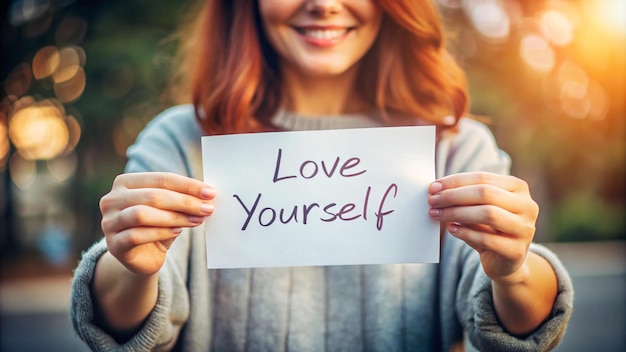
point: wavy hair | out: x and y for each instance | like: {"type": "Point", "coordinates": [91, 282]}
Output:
{"type": "Point", "coordinates": [231, 73]}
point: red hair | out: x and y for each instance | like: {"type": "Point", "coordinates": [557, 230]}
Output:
{"type": "Point", "coordinates": [234, 81]}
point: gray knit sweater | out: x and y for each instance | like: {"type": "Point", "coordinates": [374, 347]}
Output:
{"type": "Point", "coordinates": [399, 307]}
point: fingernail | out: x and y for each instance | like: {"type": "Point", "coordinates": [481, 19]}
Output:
{"type": "Point", "coordinates": [195, 219]}
{"type": "Point", "coordinates": [435, 213]}
{"type": "Point", "coordinates": [435, 187]}
{"type": "Point", "coordinates": [206, 208]}
{"type": "Point", "coordinates": [207, 192]}
{"type": "Point", "coordinates": [453, 227]}
{"type": "Point", "coordinates": [434, 199]}
{"type": "Point", "coordinates": [177, 230]}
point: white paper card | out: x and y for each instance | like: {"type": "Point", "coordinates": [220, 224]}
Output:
{"type": "Point", "coordinates": [332, 197]}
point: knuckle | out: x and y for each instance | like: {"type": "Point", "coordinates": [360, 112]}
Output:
{"type": "Point", "coordinates": [189, 187]}
{"type": "Point", "coordinates": [529, 229]}
{"type": "Point", "coordinates": [111, 246]}
{"type": "Point", "coordinates": [512, 255]}
{"type": "Point", "coordinates": [485, 193]}
{"type": "Point", "coordinates": [491, 215]}
{"type": "Point", "coordinates": [106, 202]}
{"type": "Point", "coordinates": [114, 244]}
{"type": "Point", "coordinates": [134, 215]}
{"type": "Point", "coordinates": [483, 177]}
{"type": "Point", "coordinates": [535, 209]}
{"type": "Point", "coordinates": [450, 213]}
{"type": "Point", "coordinates": [523, 185]}
{"type": "Point", "coordinates": [131, 238]}
{"type": "Point", "coordinates": [161, 180]}
{"type": "Point", "coordinates": [103, 204]}
{"type": "Point", "coordinates": [520, 252]}
{"type": "Point", "coordinates": [174, 217]}
{"type": "Point", "coordinates": [106, 225]}
{"type": "Point", "coordinates": [484, 241]}
{"type": "Point", "coordinates": [154, 198]}
{"type": "Point", "coordinates": [119, 180]}
{"type": "Point", "coordinates": [188, 203]}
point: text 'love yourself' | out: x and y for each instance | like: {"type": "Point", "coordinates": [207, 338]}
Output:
{"type": "Point", "coordinates": [257, 212]}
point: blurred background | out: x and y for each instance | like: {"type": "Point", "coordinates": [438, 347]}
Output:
{"type": "Point", "coordinates": [80, 79]}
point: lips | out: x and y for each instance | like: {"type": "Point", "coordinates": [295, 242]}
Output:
{"type": "Point", "coordinates": [323, 36]}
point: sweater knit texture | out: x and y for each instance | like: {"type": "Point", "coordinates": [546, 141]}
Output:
{"type": "Point", "coordinates": [392, 307]}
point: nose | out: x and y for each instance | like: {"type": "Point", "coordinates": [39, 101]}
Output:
{"type": "Point", "coordinates": [323, 8]}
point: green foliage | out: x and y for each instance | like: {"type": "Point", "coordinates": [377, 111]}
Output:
{"type": "Point", "coordinates": [584, 216]}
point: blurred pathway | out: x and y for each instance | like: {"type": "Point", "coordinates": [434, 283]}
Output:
{"type": "Point", "coordinates": [33, 313]}
{"type": "Point", "coordinates": [599, 274]}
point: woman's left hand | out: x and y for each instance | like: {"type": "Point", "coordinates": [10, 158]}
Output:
{"type": "Point", "coordinates": [492, 213]}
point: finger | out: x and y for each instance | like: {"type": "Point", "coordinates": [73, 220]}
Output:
{"type": "Point", "coordinates": [497, 218]}
{"type": "Point", "coordinates": [506, 248]}
{"type": "Point", "coordinates": [506, 182]}
{"type": "Point", "coordinates": [145, 216]}
{"type": "Point", "coordinates": [134, 237]}
{"type": "Point", "coordinates": [165, 180]}
{"type": "Point", "coordinates": [480, 194]}
{"type": "Point", "coordinates": [167, 243]}
{"type": "Point", "coordinates": [157, 198]}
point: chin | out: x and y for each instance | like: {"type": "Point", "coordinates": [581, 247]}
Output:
{"type": "Point", "coordinates": [326, 69]}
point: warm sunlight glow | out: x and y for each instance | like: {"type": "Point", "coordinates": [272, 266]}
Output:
{"type": "Point", "coordinates": [557, 27]}
{"type": "Point", "coordinates": [489, 19]}
{"type": "Point", "coordinates": [537, 53]}
{"type": "Point", "coordinates": [611, 14]}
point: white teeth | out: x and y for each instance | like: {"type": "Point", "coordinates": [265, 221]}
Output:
{"type": "Point", "coordinates": [325, 34]}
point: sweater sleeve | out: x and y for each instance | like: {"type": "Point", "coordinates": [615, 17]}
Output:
{"type": "Point", "coordinates": [465, 286]}
{"type": "Point", "coordinates": [478, 316]}
{"type": "Point", "coordinates": [158, 148]}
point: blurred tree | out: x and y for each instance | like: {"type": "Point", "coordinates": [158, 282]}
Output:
{"type": "Point", "coordinates": [127, 71]}
{"type": "Point", "coordinates": [125, 56]}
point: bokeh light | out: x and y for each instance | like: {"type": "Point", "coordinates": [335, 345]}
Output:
{"type": "Point", "coordinates": [452, 4]}
{"type": "Point", "coordinates": [19, 80]}
{"type": "Point", "coordinates": [574, 83]}
{"type": "Point", "coordinates": [71, 89]}
{"type": "Point", "coordinates": [39, 131]}
{"type": "Point", "coordinates": [489, 18]}
{"type": "Point", "coordinates": [5, 147]}
{"type": "Point", "coordinates": [45, 62]}
{"type": "Point", "coordinates": [22, 171]}
{"type": "Point", "coordinates": [24, 11]}
{"type": "Point", "coordinates": [537, 52]}
{"type": "Point", "coordinates": [64, 167]}
{"type": "Point", "coordinates": [69, 65]}
{"type": "Point", "coordinates": [599, 101]}
{"type": "Point", "coordinates": [125, 132]}
{"type": "Point", "coordinates": [74, 129]}
{"type": "Point", "coordinates": [71, 30]}
{"type": "Point", "coordinates": [557, 27]}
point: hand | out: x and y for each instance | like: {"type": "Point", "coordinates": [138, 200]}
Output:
{"type": "Point", "coordinates": [144, 213]}
{"type": "Point", "coordinates": [494, 214]}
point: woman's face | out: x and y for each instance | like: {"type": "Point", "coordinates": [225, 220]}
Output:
{"type": "Point", "coordinates": [320, 37]}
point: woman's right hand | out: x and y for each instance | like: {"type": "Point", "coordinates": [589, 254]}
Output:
{"type": "Point", "coordinates": [144, 213]}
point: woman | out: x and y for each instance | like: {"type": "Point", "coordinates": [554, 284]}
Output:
{"type": "Point", "coordinates": [267, 65]}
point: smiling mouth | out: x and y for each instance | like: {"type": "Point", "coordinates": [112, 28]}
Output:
{"type": "Point", "coordinates": [323, 33]}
